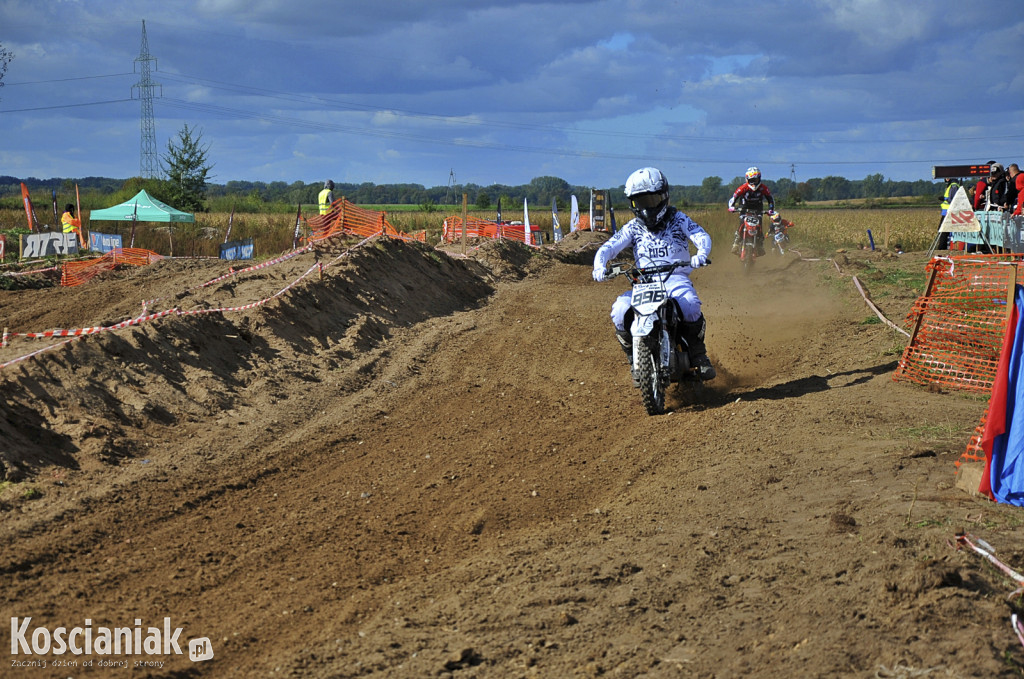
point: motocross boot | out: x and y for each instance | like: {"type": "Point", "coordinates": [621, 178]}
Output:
{"type": "Point", "coordinates": [760, 244]}
{"type": "Point", "coordinates": [626, 342]}
{"type": "Point", "coordinates": [693, 333]}
{"type": "Point", "coordinates": [735, 245]}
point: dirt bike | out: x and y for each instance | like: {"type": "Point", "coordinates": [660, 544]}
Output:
{"type": "Point", "coordinates": [661, 355]}
{"type": "Point", "coordinates": [780, 237]}
{"type": "Point", "coordinates": [750, 224]}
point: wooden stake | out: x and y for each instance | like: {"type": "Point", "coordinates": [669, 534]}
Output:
{"type": "Point", "coordinates": [465, 207]}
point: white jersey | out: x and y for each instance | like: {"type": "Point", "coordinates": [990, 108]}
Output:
{"type": "Point", "coordinates": [671, 244]}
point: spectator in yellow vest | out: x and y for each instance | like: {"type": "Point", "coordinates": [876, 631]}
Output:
{"type": "Point", "coordinates": [326, 197]}
{"type": "Point", "coordinates": [947, 197]}
{"type": "Point", "coordinates": [68, 222]}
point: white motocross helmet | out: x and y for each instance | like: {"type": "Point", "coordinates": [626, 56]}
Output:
{"type": "Point", "coordinates": [647, 190]}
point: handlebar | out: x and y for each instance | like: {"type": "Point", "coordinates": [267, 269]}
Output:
{"type": "Point", "coordinates": [636, 272]}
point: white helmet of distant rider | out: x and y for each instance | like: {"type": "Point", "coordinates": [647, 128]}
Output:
{"type": "Point", "coordinates": [647, 190]}
{"type": "Point", "coordinates": [753, 177]}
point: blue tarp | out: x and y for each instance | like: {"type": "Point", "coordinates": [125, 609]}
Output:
{"type": "Point", "coordinates": [1006, 461]}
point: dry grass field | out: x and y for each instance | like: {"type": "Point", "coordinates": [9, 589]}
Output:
{"type": "Point", "coordinates": [817, 229]}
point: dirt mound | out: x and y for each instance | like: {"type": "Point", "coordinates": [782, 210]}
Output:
{"type": "Point", "coordinates": [109, 395]}
{"type": "Point", "coordinates": [431, 465]}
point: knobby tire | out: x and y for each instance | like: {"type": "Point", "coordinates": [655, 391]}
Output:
{"type": "Point", "coordinates": [651, 392]}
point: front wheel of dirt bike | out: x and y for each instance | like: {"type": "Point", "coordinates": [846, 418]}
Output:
{"type": "Point", "coordinates": [747, 256]}
{"type": "Point", "coordinates": [651, 391]}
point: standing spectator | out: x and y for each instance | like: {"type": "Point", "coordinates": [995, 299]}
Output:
{"type": "Point", "coordinates": [326, 197]}
{"type": "Point", "coordinates": [68, 222]}
{"type": "Point", "coordinates": [995, 196]}
{"type": "Point", "coordinates": [947, 196]}
{"type": "Point", "coordinates": [1015, 200]}
{"type": "Point", "coordinates": [980, 190]}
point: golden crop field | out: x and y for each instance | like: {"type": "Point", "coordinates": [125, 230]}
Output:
{"type": "Point", "coordinates": [826, 229]}
{"type": "Point", "coordinates": [819, 229]}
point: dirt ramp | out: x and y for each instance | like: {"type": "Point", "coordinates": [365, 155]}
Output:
{"type": "Point", "coordinates": [110, 395]}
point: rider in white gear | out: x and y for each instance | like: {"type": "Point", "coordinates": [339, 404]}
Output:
{"type": "Point", "coordinates": [660, 234]}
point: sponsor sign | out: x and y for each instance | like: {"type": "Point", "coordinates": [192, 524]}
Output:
{"type": "Point", "coordinates": [104, 242]}
{"type": "Point", "coordinates": [237, 249]}
{"type": "Point", "coordinates": [47, 243]}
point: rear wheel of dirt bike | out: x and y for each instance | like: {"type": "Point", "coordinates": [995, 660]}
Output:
{"type": "Point", "coordinates": [651, 392]}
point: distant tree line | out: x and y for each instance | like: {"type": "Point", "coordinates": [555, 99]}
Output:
{"type": "Point", "coordinates": [246, 196]}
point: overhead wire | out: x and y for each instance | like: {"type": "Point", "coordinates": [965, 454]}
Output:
{"type": "Point", "coordinates": [469, 121]}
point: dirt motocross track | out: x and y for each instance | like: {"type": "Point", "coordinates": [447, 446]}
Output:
{"type": "Point", "coordinates": [427, 466]}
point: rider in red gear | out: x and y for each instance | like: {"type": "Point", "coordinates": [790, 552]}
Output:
{"type": "Point", "coordinates": [750, 197]}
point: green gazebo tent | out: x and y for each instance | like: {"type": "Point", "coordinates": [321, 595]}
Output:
{"type": "Point", "coordinates": [142, 208]}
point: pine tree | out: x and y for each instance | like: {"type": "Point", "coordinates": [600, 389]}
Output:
{"type": "Point", "coordinates": [187, 170]}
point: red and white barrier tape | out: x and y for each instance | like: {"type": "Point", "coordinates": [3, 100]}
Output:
{"type": "Point", "coordinates": [986, 550]}
{"type": "Point", "coordinates": [82, 332]}
{"type": "Point", "coordinates": [1018, 628]}
{"type": "Point", "coordinates": [29, 273]}
{"type": "Point", "coordinates": [233, 272]}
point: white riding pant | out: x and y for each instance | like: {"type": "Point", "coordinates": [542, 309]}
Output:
{"type": "Point", "coordinates": [679, 288]}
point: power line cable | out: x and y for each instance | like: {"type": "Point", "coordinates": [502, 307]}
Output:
{"type": "Point", "coordinates": [64, 80]}
{"type": "Point", "coordinates": [60, 106]}
{"type": "Point", "coordinates": [461, 120]}
{"type": "Point", "coordinates": [433, 139]}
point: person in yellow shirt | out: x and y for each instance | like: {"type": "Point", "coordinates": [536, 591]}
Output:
{"type": "Point", "coordinates": [68, 222]}
{"type": "Point", "coordinates": [326, 197]}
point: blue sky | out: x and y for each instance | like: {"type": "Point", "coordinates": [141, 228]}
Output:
{"type": "Point", "coordinates": [505, 91]}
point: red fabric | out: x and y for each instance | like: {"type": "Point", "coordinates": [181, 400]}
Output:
{"type": "Point", "coordinates": [1019, 183]}
{"type": "Point", "coordinates": [995, 423]}
{"type": "Point", "coordinates": [979, 194]}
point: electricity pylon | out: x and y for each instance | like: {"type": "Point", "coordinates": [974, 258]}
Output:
{"type": "Point", "coordinates": [148, 164]}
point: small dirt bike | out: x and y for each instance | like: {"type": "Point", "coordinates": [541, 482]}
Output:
{"type": "Point", "coordinates": [750, 225]}
{"type": "Point", "coordinates": [660, 352]}
{"type": "Point", "coordinates": [780, 237]}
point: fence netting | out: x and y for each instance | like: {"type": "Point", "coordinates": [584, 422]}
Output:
{"type": "Point", "coordinates": [347, 218]}
{"type": "Point", "coordinates": [959, 324]}
{"type": "Point", "coordinates": [81, 271]}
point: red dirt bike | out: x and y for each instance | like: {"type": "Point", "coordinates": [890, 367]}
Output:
{"type": "Point", "coordinates": [750, 225]}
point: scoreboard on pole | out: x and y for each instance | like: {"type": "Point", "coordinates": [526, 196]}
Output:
{"type": "Point", "coordinates": [957, 171]}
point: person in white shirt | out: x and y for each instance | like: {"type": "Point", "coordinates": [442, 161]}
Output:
{"type": "Point", "coordinates": [660, 234]}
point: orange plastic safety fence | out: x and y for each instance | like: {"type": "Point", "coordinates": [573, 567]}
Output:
{"type": "Point", "coordinates": [451, 229]}
{"type": "Point", "coordinates": [346, 217]}
{"type": "Point", "coordinates": [959, 322]}
{"type": "Point", "coordinates": [76, 273]}
{"type": "Point", "coordinates": [974, 451]}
